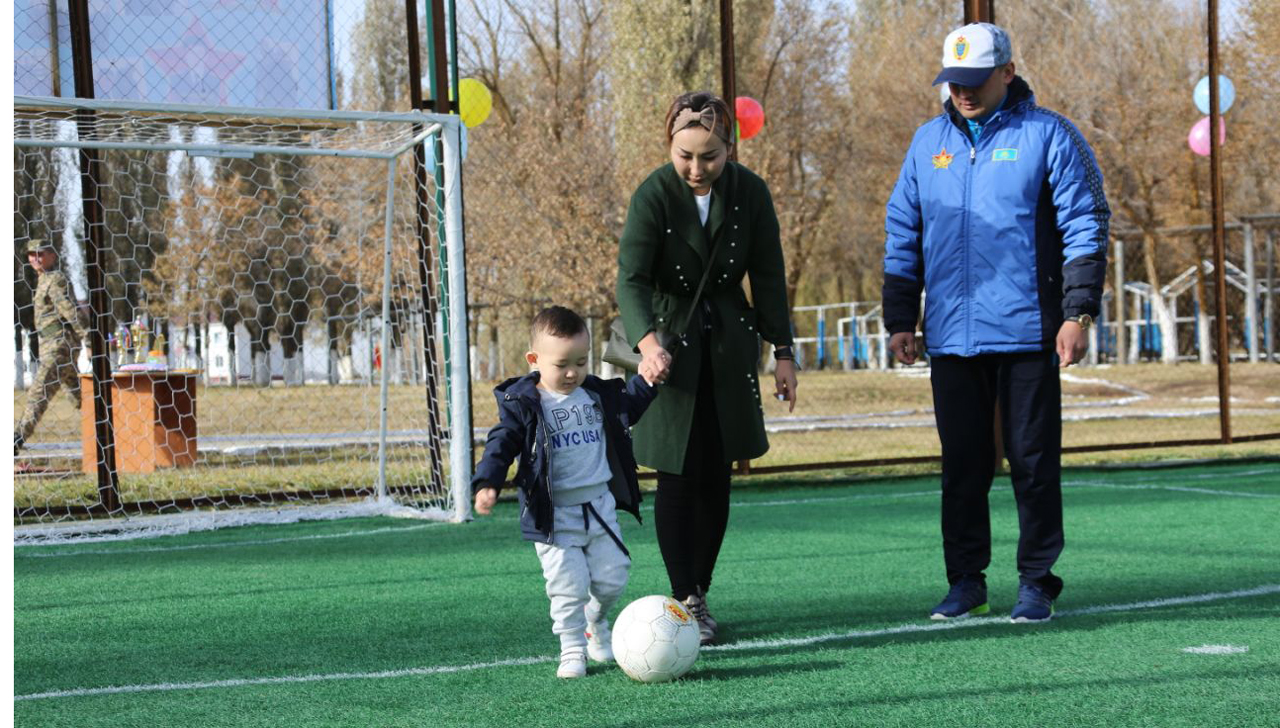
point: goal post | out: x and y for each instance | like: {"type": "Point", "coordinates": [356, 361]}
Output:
{"type": "Point", "coordinates": [273, 318]}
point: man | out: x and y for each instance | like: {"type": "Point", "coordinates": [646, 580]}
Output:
{"type": "Point", "coordinates": [61, 329]}
{"type": "Point", "coordinates": [999, 215]}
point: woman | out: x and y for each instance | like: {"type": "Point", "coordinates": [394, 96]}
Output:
{"type": "Point", "coordinates": [702, 210]}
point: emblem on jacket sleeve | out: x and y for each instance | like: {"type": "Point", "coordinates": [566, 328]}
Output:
{"type": "Point", "coordinates": [942, 160]}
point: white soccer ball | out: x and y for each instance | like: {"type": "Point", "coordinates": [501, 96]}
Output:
{"type": "Point", "coordinates": [655, 639]}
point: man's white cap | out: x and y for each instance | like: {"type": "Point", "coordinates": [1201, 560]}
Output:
{"type": "Point", "coordinates": [971, 53]}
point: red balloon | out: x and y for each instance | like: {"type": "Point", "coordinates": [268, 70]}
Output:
{"type": "Point", "coordinates": [750, 116]}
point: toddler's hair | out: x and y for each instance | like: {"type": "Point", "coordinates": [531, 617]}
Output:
{"type": "Point", "coordinates": [556, 321]}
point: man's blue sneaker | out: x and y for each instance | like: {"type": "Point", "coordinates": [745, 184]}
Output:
{"type": "Point", "coordinates": [1034, 605]}
{"type": "Point", "coordinates": [967, 597]}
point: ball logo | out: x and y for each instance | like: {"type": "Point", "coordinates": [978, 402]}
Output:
{"type": "Point", "coordinates": [961, 48]}
{"type": "Point", "coordinates": [678, 612]}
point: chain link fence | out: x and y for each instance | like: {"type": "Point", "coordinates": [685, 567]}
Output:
{"type": "Point", "coordinates": [262, 275]}
{"type": "Point", "coordinates": [270, 316]}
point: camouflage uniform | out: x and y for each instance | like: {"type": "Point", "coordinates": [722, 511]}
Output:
{"type": "Point", "coordinates": [61, 330]}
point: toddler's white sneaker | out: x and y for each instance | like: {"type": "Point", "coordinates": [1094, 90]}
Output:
{"type": "Point", "coordinates": [599, 642]}
{"type": "Point", "coordinates": [572, 664]}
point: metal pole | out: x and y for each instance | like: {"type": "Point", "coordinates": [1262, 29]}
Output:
{"type": "Point", "coordinates": [426, 274]}
{"type": "Point", "coordinates": [979, 11]}
{"type": "Point", "coordinates": [729, 82]}
{"type": "Point", "coordinates": [386, 329]}
{"type": "Point", "coordinates": [95, 256]}
{"type": "Point", "coordinates": [1117, 297]}
{"type": "Point", "coordinates": [1270, 317]}
{"type": "Point", "coordinates": [728, 65]}
{"type": "Point", "coordinates": [1250, 295]}
{"type": "Point", "coordinates": [54, 60]}
{"type": "Point", "coordinates": [439, 59]}
{"type": "Point", "coordinates": [452, 260]}
{"type": "Point", "coordinates": [1219, 242]}
{"type": "Point", "coordinates": [440, 103]}
{"type": "Point", "coordinates": [460, 461]}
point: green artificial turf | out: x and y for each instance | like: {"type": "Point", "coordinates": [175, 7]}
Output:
{"type": "Point", "coordinates": [831, 568]}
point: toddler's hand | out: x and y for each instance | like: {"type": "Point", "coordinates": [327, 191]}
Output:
{"type": "Point", "coordinates": [485, 498]}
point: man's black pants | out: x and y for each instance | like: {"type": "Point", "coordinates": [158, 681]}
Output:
{"type": "Point", "coordinates": [965, 393]}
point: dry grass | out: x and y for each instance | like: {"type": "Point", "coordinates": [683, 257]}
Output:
{"type": "Point", "coordinates": [899, 405]}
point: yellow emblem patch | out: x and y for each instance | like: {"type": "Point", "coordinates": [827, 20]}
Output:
{"type": "Point", "coordinates": [961, 48]}
{"type": "Point", "coordinates": [942, 160]}
{"type": "Point", "coordinates": [678, 613]}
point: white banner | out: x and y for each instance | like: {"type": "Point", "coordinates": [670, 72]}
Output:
{"type": "Point", "coordinates": [266, 53]}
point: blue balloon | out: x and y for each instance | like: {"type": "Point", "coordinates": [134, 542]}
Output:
{"type": "Point", "coordinates": [1226, 94]}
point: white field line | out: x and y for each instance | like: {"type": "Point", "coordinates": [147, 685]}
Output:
{"type": "Point", "coordinates": [1217, 650]}
{"type": "Point", "coordinates": [836, 498]}
{"type": "Point", "coordinates": [18, 554]}
{"type": "Point", "coordinates": [19, 551]}
{"type": "Point", "coordinates": [1068, 377]}
{"type": "Point", "coordinates": [285, 679]}
{"type": "Point", "coordinates": [1272, 471]}
{"type": "Point", "coordinates": [983, 621]}
{"type": "Point", "coordinates": [732, 647]}
{"type": "Point", "coordinates": [1176, 488]}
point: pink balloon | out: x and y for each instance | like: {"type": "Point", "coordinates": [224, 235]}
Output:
{"type": "Point", "coordinates": [1198, 139]}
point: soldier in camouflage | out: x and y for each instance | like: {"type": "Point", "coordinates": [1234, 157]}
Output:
{"type": "Point", "coordinates": [61, 327]}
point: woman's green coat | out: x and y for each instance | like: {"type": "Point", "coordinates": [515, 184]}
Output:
{"type": "Point", "coordinates": [663, 252]}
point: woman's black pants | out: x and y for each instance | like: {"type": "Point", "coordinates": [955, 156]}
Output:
{"type": "Point", "coordinates": [691, 510]}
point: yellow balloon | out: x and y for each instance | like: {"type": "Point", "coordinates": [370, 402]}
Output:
{"type": "Point", "coordinates": [476, 102]}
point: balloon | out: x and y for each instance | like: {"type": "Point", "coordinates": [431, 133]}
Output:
{"type": "Point", "coordinates": [1198, 139]}
{"type": "Point", "coordinates": [476, 102]}
{"type": "Point", "coordinates": [1226, 94]}
{"type": "Point", "coordinates": [750, 116]}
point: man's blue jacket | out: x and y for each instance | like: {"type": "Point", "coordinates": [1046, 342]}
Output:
{"type": "Point", "coordinates": [1007, 236]}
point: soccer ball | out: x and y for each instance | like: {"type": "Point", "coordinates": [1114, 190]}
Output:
{"type": "Point", "coordinates": [655, 639]}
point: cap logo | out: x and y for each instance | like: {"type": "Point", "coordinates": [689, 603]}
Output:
{"type": "Point", "coordinates": [961, 48]}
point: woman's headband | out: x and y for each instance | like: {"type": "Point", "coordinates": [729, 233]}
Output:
{"type": "Point", "coordinates": [705, 119]}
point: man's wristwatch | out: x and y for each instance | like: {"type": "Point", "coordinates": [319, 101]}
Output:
{"type": "Point", "coordinates": [1084, 320]}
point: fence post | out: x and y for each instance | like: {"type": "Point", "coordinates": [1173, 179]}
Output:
{"type": "Point", "coordinates": [422, 234]}
{"type": "Point", "coordinates": [1270, 316]}
{"type": "Point", "coordinates": [1219, 234]}
{"type": "Point", "coordinates": [1250, 295]}
{"type": "Point", "coordinates": [95, 256]}
{"type": "Point", "coordinates": [1117, 298]}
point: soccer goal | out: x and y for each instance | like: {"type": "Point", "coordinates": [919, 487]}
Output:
{"type": "Point", "coordinates": [280, 296]}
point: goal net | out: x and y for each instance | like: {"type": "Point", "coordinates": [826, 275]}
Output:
{"type": "Point", "coordinates": [273, 302]}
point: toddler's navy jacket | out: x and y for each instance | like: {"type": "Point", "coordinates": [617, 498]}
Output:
{"type": "Point", "coordinates": [521, 433]}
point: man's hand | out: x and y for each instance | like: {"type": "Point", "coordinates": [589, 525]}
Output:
{"type": "Point", "coordinates": [784, 375]}
{"type": "Point", "coordinates": [1073, 343]}
{"type": "Point", "coordinates": [485, 499]}
{"type": "Point", "coordinates": [903, 346]}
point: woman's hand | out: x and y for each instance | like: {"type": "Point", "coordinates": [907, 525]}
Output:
{"type": "Point", "coordinates": [784, 375]}
{"type": "Point", "coordinates": [655, 361]}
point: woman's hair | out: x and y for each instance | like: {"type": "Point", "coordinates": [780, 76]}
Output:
{"type": "Point", "coordinates": [713, 109]}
